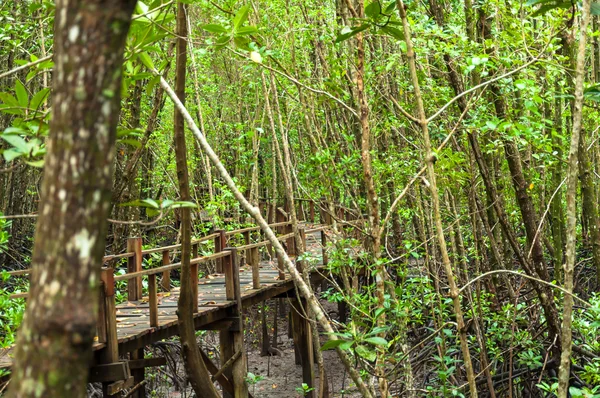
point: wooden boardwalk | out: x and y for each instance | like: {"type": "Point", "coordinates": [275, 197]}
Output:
{"type": "Point", "coordinates": [146, 320]}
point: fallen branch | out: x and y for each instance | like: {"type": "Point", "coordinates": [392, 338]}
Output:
{"type": "Point", "coordinates": [270, 235]}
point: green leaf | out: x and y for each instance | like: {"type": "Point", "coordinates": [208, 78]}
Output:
{"type": "Point", "coordinates": [17, 141]}
{"type": "Point", "coordinates": [365, 352]}
{"type": "Point", "coordinates": [396, 33]}
{"type": "Point", "coordinates": [146, 60]}
{"type": "Point", "coordinates": [390, 7]}
{"type": "Point", "coordinates": [35, 163]}
{"type": "Point", "coordinates": [141, 8]}
{"type": "Point", "coordinates": [166, 203]}
{"type": "Point", "coordinates": [222, 41]}
{"type": "Point", "coordinates": [179, 204]}
{"type": "Point", "coordinates": [330, 344]}
{"type": "Point", "coordinates": [214, 28]}
{"type": "Point", "coordinates": [592, 93]}
{"type": "Point", "coordinates": [8, 99]}
{"type": "Point", "coordinates": [132, 142]}
{"type": "Point", "coordinates": [22, 95]}
{"type": "Point", "coordinates": [11, 154]}
{"type": "Point", "coordinates": [373, 10]}
{"type": "Point", "coordinates": [377, 341]}
{"type": "Point", "coordinates": [347, 33]}
{"type": "Point", "coordinates": [151, 203]}
{"type": "Point", "coordinates": [241, 42]}
{"type": "Point", "coordinates": [38, 98]}
{"type": "Point", "coordinates": [595, 8]}
{"type": "Point", "coordinates": [240, 17]}
{"type": "Point", "coordinates": [247, 30]}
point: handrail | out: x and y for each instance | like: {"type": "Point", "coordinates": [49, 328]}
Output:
{"type": "Point", "coordinates": [113, 257]}
{"type": "Point", "coordinates": [106, 326]}
{"type": "Point", "coordinates": [169, 267]}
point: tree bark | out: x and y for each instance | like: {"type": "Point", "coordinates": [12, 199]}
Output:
{"type": "Point", "coordinates": [54, 346]}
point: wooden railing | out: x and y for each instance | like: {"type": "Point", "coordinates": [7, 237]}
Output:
{"type": "Point", "coordinates": [227, 262]}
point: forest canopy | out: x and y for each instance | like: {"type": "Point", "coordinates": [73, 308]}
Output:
{"type": "Point", "coordinates": [450, 148]}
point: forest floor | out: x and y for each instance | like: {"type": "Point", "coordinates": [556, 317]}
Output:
{"type": "Point", "coordinates": [279, 375]}
{"type": "Point", "coordinates": [282, 376]}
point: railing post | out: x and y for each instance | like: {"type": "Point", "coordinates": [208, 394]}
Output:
{"type": "Point", "coordinates": [291, 242]}
{"type": "Point", "coordinates": [311, 209]}
{"type": "Point", "coordinates": [101, 330]}
{"type": "Point", "coordinates": [300, 264]}
{"type": "Point", "coordinates": [166, 279]}
{"type": "Point", "coordinates": [134, 264]}
{"type": "Point", "coordinates": [247, 253]}
{"type": "Point", "coordinates": [194, 278]}
{"type": "Point", "coordinates": [153, 300]}
{"type": "Point", "coordinates": [281, 267]}
{"type": "Point", "coordinates": [324, 245]}
{"type": "Point", "coordinates": [220, 244]}
{"type": "Point", "coordinates": [232, 340]}
{"type": "Point", "coordinates": [111, 353]}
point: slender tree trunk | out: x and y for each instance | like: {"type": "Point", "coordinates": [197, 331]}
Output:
{"type": "Point", "coordinates": [54, 343]}
{"type": "Point", "coordinates": [374, 235]}
{"type": "Point", "coordinates": [430, 160]}
{"type": "Point", "coordinates": [194, 365]}
{"type": "Point", "coordinates": [569, 268]}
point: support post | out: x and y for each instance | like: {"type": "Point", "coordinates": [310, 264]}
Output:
{"type": "Point", "coordinates": [280, 268]}
{"type": "Point", "coordinates": [303, 343]}
{"type": "Point", "coordinates": [134, 264]}
{"type": "Point", "coordinates": [110, 354]}
{"type": "Point", "coordinates": [311, 209]}
{"type": "Point", "coordinates": [220, 244]}
{"type": "Point", "coordinates": [138, 374]}
{"type": "Point", "coordinates": [324, 247]}
{"type": "Point", "coordinates": [291, 242]}
{"type": "Point", "coordinates": [153, 300]}
{"type": "Point", "coordinates": [166, 278]}
{"type": "Point", "coordinates": [232, 340]}
{"type": "Point", "coordinates": [194, 278]}
{"type": "Point", "coordinates": [254, 262]}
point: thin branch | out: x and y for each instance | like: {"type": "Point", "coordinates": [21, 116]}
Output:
{"type": "Point", "coordinates": [486, 83]}
{"type": "Point", "coordinates": [500, 271]}
{"type": "Point", "coordinates": [420, 173]}
{"type": "Point", "coordinates": [295, 81]}
{"type": "Point", "coordinates": [29, 65]}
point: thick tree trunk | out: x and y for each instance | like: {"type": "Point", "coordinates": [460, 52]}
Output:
{"type": "Point", "coordinates": [54, 344]}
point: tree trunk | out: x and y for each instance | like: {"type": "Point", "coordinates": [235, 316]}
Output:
{"type": "Point", "coordinates": [571, 194]}
{"type": "Point", "coordinates": [194, 365]}
{"type": "Point", "coordinates": [55, 340]}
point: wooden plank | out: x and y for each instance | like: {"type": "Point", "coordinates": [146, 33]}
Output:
{"type": "Point", "coordinates": [109, 372]}
{"type": "Point", "coordinates": [118, 386]}
{"type": "Point", "coordinates": [147, 363]}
